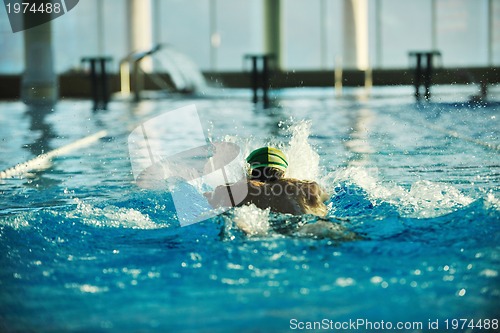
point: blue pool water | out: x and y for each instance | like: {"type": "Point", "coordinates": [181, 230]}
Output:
{"type": "Point", "coordinates": [82, 248]}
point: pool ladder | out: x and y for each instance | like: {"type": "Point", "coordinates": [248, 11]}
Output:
{"type": "Point", "coordinates": [134, 59]}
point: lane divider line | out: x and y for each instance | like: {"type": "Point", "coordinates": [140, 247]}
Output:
{"type": "Point", "coordinates": [42, 159]}
{"type": "Point", "coordinates": [454, 134]}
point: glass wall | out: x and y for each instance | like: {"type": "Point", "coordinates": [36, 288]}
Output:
{"type": "Point", "coordinates": [462, 32]}
{"type": "Point", "coordinates": [216, 34]}
{"type": "Point", "coordinates": [239, 27]}
{"type": "Point", "coordinates": [70, 36]}
{"type": "Point", "coordinates": [301, 34]}
{"type": "Point", "coordinates": [185, 25]}
{"type": "Point", "coordinates": [494, 33]}
{"type": "Point", "coordinates": [11, 46]}
{"type": "Point", "coordinates": [405, 25]}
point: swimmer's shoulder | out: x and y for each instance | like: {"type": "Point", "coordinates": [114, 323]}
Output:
{"type": "Point", "coordinates": [310, 185]}
{"type": "Point", "coordinates": [309, 188]}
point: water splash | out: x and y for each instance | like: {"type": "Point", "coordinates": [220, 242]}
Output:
{"type": "Point", "coordinates": [252, 220]}
{"type": "Point", "coordinates": [303, 160]}
{"type": "Point", "coordinates": [424, 199]}
{"type": "Point", "coordinates": [245, 221]}
{"type": "Point", "coordinates": [431, 199]}
{"type": "Point", "coordinates": [17, 222]}
{"type": "Point", "coordinates": [491, 202]}
{"type": "Point", "coordinates": [112, 217]}
{"type": "Point", "coordinates": [303, 163]}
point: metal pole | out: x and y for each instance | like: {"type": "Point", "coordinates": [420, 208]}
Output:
{"type": "Point", "coordinates": [94, 83]}
{"type": "Point", "coordinates": [418, 75]}
{"type": "Point", "coordinates": [104, 84]}
{"type": "Point", "coordinates": [255, 78]}
{"type": "Point", "coordinates": [137, 81]}
{"type": "Point", "coordinates": [428, 75]}
{"type": "Point", "coordinates": [265, 80]}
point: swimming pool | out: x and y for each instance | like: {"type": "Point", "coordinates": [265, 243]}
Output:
{"type": "Point", "coordinates": [83, 249]}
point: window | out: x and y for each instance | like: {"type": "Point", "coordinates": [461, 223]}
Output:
{"type": "Point", "coordinates": [405, 25]}
{"type": "Point", "coordinates": [216, 34]}
{"type": "Point", "coordinates": [462, 32]}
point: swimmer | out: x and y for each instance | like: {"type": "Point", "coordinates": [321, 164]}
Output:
{"type": "Point", "coordinates": [267, 187]}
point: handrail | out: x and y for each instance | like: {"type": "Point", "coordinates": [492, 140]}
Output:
{"type": "Point", "coordinates": [134, 58]}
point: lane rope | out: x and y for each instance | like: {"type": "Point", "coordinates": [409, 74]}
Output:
{"type": "Point", "coordinates": [453, 134]}
{"type": "Point", "coordinates": [42, 159]}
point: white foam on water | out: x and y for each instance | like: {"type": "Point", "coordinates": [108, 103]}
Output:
{"type": "Point", "coordinates": [252, 220]}
{"type": "Point", "coordinates": [492, 202]}
{"type": "Point", "coordinates": [86, 288]}
{"type": "Point", "coordinates": [489, 273]}
{"type": "Point", "coordinates": [112, 217]}
{"type": "Point", "coordinates": [17, 222]}
{"type": "Point", "coordinates": [427, 196]}
{"type": "Point", "coordinates": [423, 200]}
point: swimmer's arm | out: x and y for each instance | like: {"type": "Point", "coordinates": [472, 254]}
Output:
{"type": "Point", "coordinates": [219, 197]}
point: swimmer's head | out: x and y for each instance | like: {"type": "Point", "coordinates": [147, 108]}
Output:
{"type": "Point", "coordinates": [267, 164]}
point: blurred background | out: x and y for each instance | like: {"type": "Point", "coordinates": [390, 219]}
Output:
{"type": "Point", "coordinates": [315, 36]}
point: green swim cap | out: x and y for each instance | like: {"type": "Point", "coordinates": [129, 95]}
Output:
{"type": "Point", "coordinates": [267, 157]}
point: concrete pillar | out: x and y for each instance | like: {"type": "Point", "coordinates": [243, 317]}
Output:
{"type": "Point", "coordinates": [323, 14]}
{"type": "Point", "coordinates": [356, 34]}
{"type": "Point", "coordinates": [39, 80]}
{"type": "Point", "coordinates": [272, 30]}
{"type": "Point", "coordinates": [140, 27]}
